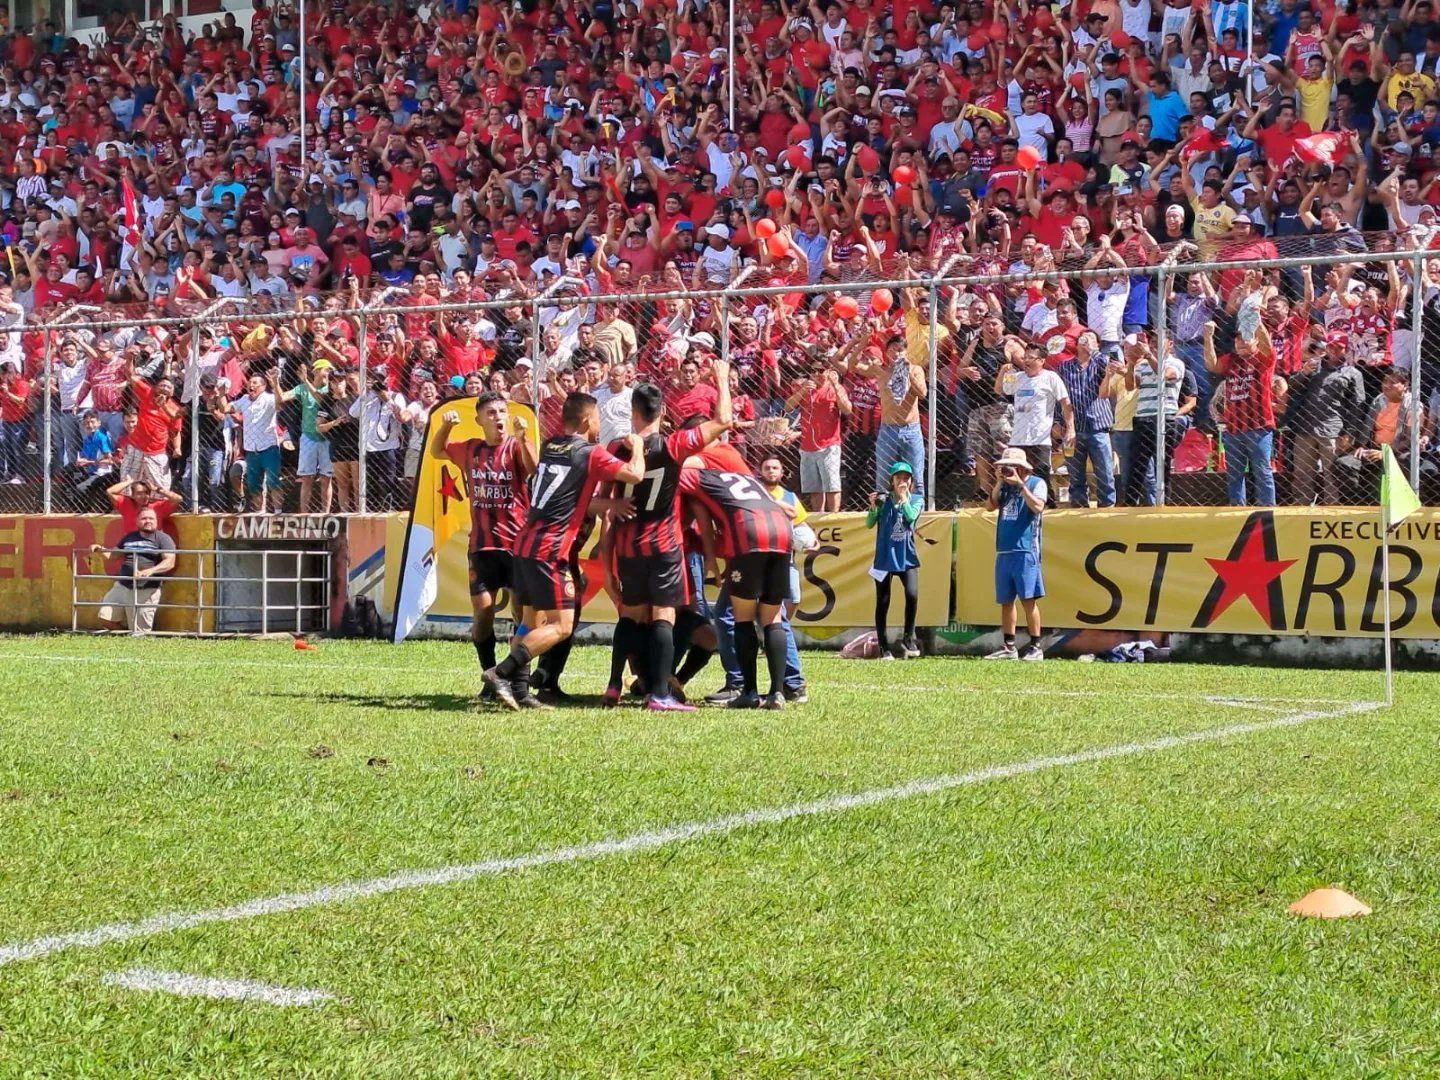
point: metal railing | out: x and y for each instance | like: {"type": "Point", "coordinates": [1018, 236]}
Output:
{"type": "Point", "coordinates": [775, 335]}
{"type": "Point", "coordinates": [211, 583]}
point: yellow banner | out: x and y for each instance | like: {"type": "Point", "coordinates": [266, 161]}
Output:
{"type": "Point", "coordinates": [1218, 570]}
{"type": "Point", "coordinates": [836, 590]}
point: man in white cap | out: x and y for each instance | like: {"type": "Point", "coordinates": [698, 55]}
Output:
{"type": "Point", "coordinates": [1019, 496]}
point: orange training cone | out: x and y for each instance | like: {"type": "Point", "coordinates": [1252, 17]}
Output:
{"type": "Point", "coordinates": [1328, 904]}
{"type": "Point", "coordinates": [301, 645]}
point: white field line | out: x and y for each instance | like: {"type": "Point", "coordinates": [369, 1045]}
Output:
{"type": "Point", "coordinates": [346, 891]}
{"type": "Point", "coordinates": [836, 684]}
{"type": "Point", "coordinates": [175, 982]}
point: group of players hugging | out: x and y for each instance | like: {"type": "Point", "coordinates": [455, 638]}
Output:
{"type": "Point", "coordinates": [669, 507]}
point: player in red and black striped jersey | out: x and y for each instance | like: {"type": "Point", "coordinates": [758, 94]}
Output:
{"type": "Point", "coordinates": [644, 553]}
{"type": "Point", "coordinates": [495, 469]}
{"type": "Point", "coordinates": [742, 524]}
{"type": "Point", "coordinates": [569, 467]}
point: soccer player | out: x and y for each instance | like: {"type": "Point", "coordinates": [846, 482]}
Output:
{"type": "Point", "coordinates": [752, 532]}
{"type": "Point", "coordinates": [495, 467]}
{"type": "Point", "coordinates": [570, 466]}
{"type": "Point", "coordinates": [649, 571]}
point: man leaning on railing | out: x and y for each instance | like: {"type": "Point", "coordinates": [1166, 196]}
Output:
{"type": "Point", "coordinates": [134, 598]}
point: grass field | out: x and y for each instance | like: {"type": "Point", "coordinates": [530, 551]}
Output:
{"type": "Point", "coordinates": [1081, 895]}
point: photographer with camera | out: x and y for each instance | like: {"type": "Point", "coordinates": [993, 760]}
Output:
{"type": "Point", "coordinates": [1019, 496]}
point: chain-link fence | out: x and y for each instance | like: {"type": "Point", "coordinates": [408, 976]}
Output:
{"type": "Point", "coordinates": [1284, 372]}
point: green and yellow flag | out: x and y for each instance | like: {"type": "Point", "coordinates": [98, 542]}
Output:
{"type": "Point", "coordinates": [1397, 498]}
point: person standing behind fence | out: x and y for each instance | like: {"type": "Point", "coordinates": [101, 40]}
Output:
{"type": "Point", "coordinates": [1038, 395]}
{"type": "Point", "coordinates": [255, 410]}
{"type": "Point", "coordinates": [1249, 413]}
{"type": "Point", "coordinates": [1019, 496]}
{"type": "Point", "coordinates": [1143, 372]}
{"type": "Point", "coordinates": [314, 444]}
{"type": "Point", "coordinates": [1086, 382]}
{"type": "Point", "coordinates": [902, 385]}
{"type": "Point", "coordinates": [822, 402]}
{"type": "Point", "coordinates": [381, 413]}
{"type": "Point", "coordinates": [1325, 415]}
{"type": "Point", "coordinates": [135, 596]}
{"type": "Point", "coordinates": [158, 423]}
{"type": "Point", "coordinates": [895, 515]}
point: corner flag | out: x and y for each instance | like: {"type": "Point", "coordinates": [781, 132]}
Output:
{"type": "Point", "coordinates": [1397, 498]}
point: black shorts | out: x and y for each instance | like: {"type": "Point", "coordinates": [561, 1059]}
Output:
{"type": "Point", "coordinates": [544, 586]}
{"type": "Point", "coordinates": [760, 575]}
{"type": "Point", "coordinates": [490, 571]}
{"type": "Point", "coordinates": [653, 580]}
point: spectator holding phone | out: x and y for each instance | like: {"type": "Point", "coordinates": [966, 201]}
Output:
{"type": "Point", "coordinates": [1019, 496]}
{"type": "Point", "coordinates": [893, 516]}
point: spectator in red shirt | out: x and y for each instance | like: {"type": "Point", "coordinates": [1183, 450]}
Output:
{"type": "Point", "coordinates": [159, 421]}
{"type": "Point", "coordinates": [691, 396]}
{"type": "Point", "coordinates": [14, 424]}
{"type": "Point", "coordinates": [1249, 412]}
{"type": "Point", "coordinates": [822, 402]}
{"type": "Point", "coordinates": [129, 497]}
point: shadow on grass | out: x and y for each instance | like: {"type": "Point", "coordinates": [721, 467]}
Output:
{"type": "Point", "coordinates": [388, 702]}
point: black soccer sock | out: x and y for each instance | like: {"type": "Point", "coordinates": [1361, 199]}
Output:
{"type": "Point", "coordinates": [512, 665]}
{"type": "Point", "coordinates": [882, 612]}
{"type": "Point", "coordinates": [686, 623]}
{"type": "Point", "coordinates": [775, 656]}
{"type": "Point", "coordinates": [485, 650]}
{"type": "Point", "coordinates": [1035, 637]}
{"type": "Point", "coordinates": [1009, 640]}
{"type": "Point", "coordinates": [551, 666]}
{"type": "Point", "coordinates": [694, 662]}
{"type": "Point", "coordinates": [622, 643]}
{"type": "Point", "coordinates": [747, 649]}
{"type": "Point", "coordinates": [662, 657]}
{"type": "Point", "coordinates": [520, 684]}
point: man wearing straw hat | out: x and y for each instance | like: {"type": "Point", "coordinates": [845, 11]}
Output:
{"type": "Point", "coordinates": [1019, 496]}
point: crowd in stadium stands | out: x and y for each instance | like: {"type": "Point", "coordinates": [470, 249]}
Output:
{"type": "Point", "coordinates": [455, 153]}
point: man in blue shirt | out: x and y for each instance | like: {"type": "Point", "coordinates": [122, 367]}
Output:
{"type": "Point", "coordinates": [1165, 107]}
{"type": "Point", "coordinates": [1019, 497]}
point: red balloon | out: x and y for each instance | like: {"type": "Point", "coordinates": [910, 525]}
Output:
{"type": "Point", "coordinates": [1044, 18]}
{"type": "Point", "coordinates": [997, 31]}
{"type": "Point", "coordinates": [976, 41]}
{"type": "Point", "coordinates": [800, 133]}
{"type": "Point", "coordinates": [774, 198]}
{"type": "Point", "coordinates": [796, 158]}
{"type": "Point", "coordinates": [903, 174]}
{"type": "Point", "coordinates": [847, 307]}
{"type": "Point", "coordinates": [778, 246]}
{"type": "Point", "coordinates": [881, 301]}
{"type": "Point", "coordinates": [764, 228]}
{"type": "Point", "coordinates": [1120, 39]}
{"type": "Point", "coordinates": [1027, 157]}
{"type": "Point", "coordinates": [1078, 80]}
{"type": "Point", "coordinates": [867, 157]}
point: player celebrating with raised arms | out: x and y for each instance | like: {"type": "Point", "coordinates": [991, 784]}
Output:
{"type": "Point", "coordinates": [495, 467]}
{"type": "Point", "coordinates": [570, 466]}
{"type": "Point", "coordinates": [649, 571]}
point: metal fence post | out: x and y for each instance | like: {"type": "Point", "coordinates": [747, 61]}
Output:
{"type": "Point", "coordinates": [195, 418]}
{"type": "Point", "coordinates": [48, 452]}
{"type": "Point", "coordinates": [1162, 350]}
{"type": "Point", "coordinates": [933, 386]}
{"type": "Point", "coordinates": [364, 351]}
{"type": "Point", "coordinates": [1417, 319]}
{"type": "Point", "coordinates": [725, 328]}
{"type": "Point", "coordinates": [535, 377]}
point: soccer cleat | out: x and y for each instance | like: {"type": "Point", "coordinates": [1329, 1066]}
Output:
{"type": "Point", "coordinates": [530, 701]}
{"type": "Point", "coordinates": [797, 694]}
{"type": "Point", "coordinates": [912, 648]}
{"type": "Point", "coordinates": [1033, 652]}
{"type": "Point", "coordinates": [552, 695]}
{"type": "Point", "coordinates": [610, 698]}
{"type": "Point", "coordinates": [723, 696]}
{"type": "Point", "coordinates": [677, 690]}
{"type": "Point", "coordinates": [773, 702]}
{"type": "Point", "coordinates": [667, 704]}
{"type": "Point", "coordinates": [747, 699]}
{"type": "Point", "coordinates": [1006, 653]}
{"type": "Point", "coordinates": [501, 689]}
{"type": "Point", "coordinates": [638, 689]}
{"type": "Point", "coordinates": [487, 693]}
